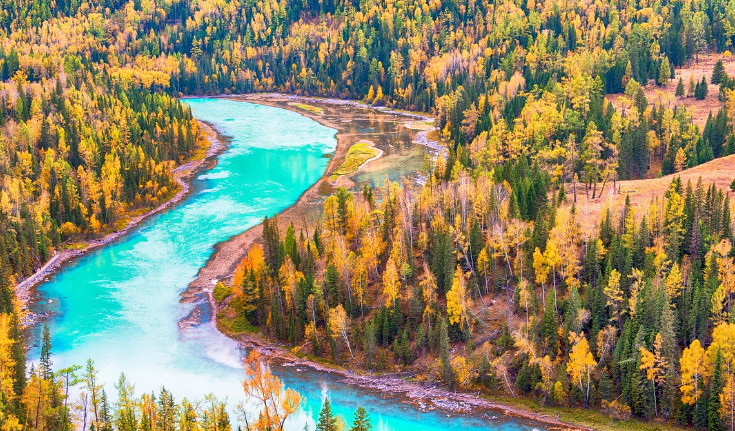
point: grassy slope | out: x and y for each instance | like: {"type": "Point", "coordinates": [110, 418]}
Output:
{"type": "Point", "coordinates": [720, 171]}
{"type": "Point", "coordinates": [589, 418]}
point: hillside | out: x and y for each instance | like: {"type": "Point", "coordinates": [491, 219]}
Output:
{"type": "Point", "coordinates": [698, 109]}
{"type": "Point", "coordinates": [720, 172]}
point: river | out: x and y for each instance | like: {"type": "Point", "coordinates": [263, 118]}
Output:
{"type": "Point", "coordinates": [119, 305]}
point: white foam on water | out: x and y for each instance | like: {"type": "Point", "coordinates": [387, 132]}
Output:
{"type": "Point", "coordinates": [214, 176]}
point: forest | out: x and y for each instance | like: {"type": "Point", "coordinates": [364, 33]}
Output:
{"type": "Point", "coordinates": [487, 277]}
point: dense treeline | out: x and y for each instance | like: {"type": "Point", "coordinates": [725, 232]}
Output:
{"type": "Point", "coordinates": [506, 79]}
{"type": "Point", "coordinates": [485, 277]}
{"type": "Point", "coordinates": [76, 157]}
{"type": "Point", "coordinates": [450, 280]}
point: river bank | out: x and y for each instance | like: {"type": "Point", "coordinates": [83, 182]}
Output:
{"type": "Point", "coordinates": [220, 266]}
{"type": "Point", "coordinates": [305, 210]}
{"type": "Point", "coordinates": [424, 397]}
{"type": "Point", "coordinates": [24, 290]}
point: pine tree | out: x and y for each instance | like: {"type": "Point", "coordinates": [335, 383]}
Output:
{"type": "Point", "coordinates": [444, 354]}
{"type": "Point", "coordinates": [362, 421]}
{"type": "Point", "coordinates": [717, 73]}
{"type": "Point", "coordinates": [105, 414]}
{"type": "Point", "coordinates": [714, 421]}
{"type": "Point", "coordinates": [45, 361]}
{"type": "Point", "coordinates": [166, 420]}
{"type": "Point", "coordinates": [701, 90]}
{"type": "Point", "coordinates": [664, 72]}
{"type": "Point", "coordinates": [679, 88]}
{"type": "Point", "coordinates": [549, 325]}
{"type": "Point", "coordinates": [327, 421]}
{"type": "Point", "coordinates": [369, 343]}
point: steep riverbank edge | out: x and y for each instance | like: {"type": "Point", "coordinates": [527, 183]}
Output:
{"type": "Point", "coordinates": [228, 254]}
{"type": "Point", "coordinates": [183, 174]}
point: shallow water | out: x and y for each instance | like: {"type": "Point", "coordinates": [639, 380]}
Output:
{"type": "Point", "coordinates": [120, 305]}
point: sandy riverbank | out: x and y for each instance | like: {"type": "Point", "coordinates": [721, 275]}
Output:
{"type": "Point", "coordinates": [24, 290]}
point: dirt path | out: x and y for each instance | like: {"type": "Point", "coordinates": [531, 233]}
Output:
{"type": "Point", "coordinates": [182, 174]}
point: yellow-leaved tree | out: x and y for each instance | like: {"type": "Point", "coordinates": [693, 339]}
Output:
{"type": "Point", "coordinates": [7, 379]}
{"type": "Point", "coordinates": [274, 402]}
{"type": "Point", "coordinates": [541, 270]}
{"type": "Point", "coordinates": [654, 365]}
{"type": "Point", "coordinates": [613, 294]}
{"type": "Point", "coordinates": [457, 300]}
{"type": "Point", "coordinates": [692, 373]}
{"type": "Point", "coordinates": [339, 325]}
{"type": "Point", "coordinates": [391, 283]}
{"type": "Point", "coordinates": [727, 401]}
{"type": "Point", "coordinates": [581, 363]}
{"type": "Point", "coordinates": [673, 282]}
{"type": "Point", "coordinates": [723, 339]}
{"type": "Point", "coordinates": [726, 276]}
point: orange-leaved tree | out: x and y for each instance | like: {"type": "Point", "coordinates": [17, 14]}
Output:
{"type": "Point", "coordinates": [273, 402]}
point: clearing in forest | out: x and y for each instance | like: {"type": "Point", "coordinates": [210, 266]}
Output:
{"type": "Point", "coordinates": [698, 109]}
{"type": "Point", "coordinates": [721, 171]}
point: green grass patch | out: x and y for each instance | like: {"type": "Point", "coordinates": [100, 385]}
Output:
{"type": "Point", "coordinates": [77, 245]}
{"type": "Point", "coordinates": [358, 154]}
{"type": "Point", "coordinates": [308, 108]}
{"type": "Point", "coordinates": [238, 324]}
{"type": "Point", "coordinates": [221, 291]}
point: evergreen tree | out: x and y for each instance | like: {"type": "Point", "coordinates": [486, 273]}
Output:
{"type": "Point", "coordinates": [714, 421]}
{"type": "Point", "coordinates": [701, 90]}
{"type": "Point", "coordinates": [717, 72]}
{"type": "Point", "coordinates": [664, 72]}
{"type": "Point", "coordinates": [369, 341]}
{"type": "Point", "coordinates": [327, 421]}
{"type": "Point", "coordinates": [549, 325]}
{"type": "Point", "coordinates": [447, 373]}
{"type": "Point", "coordinates": [45, 360]}
{"type": "Point", "coordinates": [362, 421]}
{"type": "Point", "coordinates": [679, 88]}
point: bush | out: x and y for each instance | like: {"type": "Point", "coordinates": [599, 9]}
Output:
{"type": "Point", "coordinates": [616, 410]}
{"type": "Point", "coordinates": [221, 291]}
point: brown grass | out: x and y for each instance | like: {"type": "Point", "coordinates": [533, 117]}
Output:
{"type": "Point", "coordinates": [698, 109]}
{"type": "Point", "coordinates": [720, 171]}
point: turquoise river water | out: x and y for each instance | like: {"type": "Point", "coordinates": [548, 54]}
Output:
{"type": "Point", "coordinates": [120, 305]}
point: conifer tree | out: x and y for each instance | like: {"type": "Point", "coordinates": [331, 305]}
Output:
{"type": "Point", "coordinates": [664, 72]}
{"type": "Point", "coordinates": [717, 72]}
{"type": "Point", "coordinates": [45, 360]}
{"type": "Point", "coordinates": [714, 420]}
{"type": "Point", "coordinates": [447, 373]}
{"type": "Point", "coordinates": [361, 421]}
{"type": "Point", "coordinates": [327, 420]}
{"type": "Point", "coordinates": [679, 88]}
